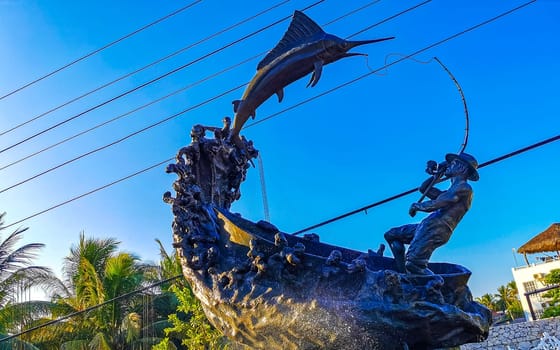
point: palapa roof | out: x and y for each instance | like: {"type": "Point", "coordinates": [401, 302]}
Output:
{"type": "Point", "coordinates": [546, 241]}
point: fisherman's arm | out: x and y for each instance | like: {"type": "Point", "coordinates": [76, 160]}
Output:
{"type": "Point", "coordinates": [432, 205]}
{"type": "Point", "coordinates": [445, 199]}
{"type": "Point", "coordinates": [430, 192]}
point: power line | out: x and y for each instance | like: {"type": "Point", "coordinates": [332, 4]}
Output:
{"type": "Point", "coordinates": [173, 54]}
{"type": "Point", "coordinates": [406, 57]}
{"type": "Point", "coordinates": [123, 138]}
{"type": "Point", "coordinates": [118, 140]}
{"type": "Point", "coordinates": [156, 79]}
{"type": "Point", "coordinates": [359, 210]}
{"type": "Point", "coordinates": [172, 93]}
{"type": "Point", "coordinates": [405, 193]}
{"type": "Point", "coordinates": [388, 19]}
{"type": "Point", "coordinates": [525, 149]}
{"type": "Point", "coordinates": [88, 193]}
{"type": "Point", "coordinates": [101, 48]}
{"type": "Point", "coordinates": [183, 89]}
{"type": "Point", "coordinates": [91, 308]}
{"type": "Point", "coordinates": [350, 13]}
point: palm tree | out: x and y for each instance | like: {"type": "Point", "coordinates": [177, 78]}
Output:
{"type": "Point", "coordinates": [95, 273]}
{"type": "Point", "coordinates": [17, 277]}
{"type": "Point", "coordinates": [507, 300]}
{"type": "Point", "coordinates": [488, 300]}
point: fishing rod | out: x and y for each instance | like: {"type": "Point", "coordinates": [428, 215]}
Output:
{"type": "Point", "coordinates": [433, 168]}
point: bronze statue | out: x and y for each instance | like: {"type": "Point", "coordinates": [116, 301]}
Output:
{"type": "Point", "coordinates": [269, 290]}
{"type": "Point", "coordinates": [447, 208]}
{"type": "Point", "coordinates": [305, 48]}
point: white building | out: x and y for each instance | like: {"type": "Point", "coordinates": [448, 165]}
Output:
{"type": "Point", "coordinates": [529, 278]}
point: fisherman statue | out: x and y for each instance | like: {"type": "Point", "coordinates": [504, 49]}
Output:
{"type": "Point", "coordinates": [267, 289]}
{"type": "Point", "coordinates": [447, 208]}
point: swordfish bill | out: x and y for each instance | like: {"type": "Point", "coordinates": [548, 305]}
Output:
{"type": "Point", "coordinates": [305, 48]}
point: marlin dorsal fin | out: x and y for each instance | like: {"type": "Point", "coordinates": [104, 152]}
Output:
{"type": "Point", "coordinates": [301, 29]}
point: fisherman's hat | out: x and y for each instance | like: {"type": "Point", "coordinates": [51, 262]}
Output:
{"type": "Point", "coordinates": [468, 160]}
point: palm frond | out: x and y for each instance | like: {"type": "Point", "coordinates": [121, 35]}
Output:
{"type": "Point", "coordinates": [17, 344]}
{"type": "Point", "coordinates": [89, 285]}
{"type": "Point", "coordinates": [100, 342]}
{"type": "Point", "coordinates": [131, 326]}
{"type": "Point", "coordinates": [11, 259]}
{"type": "Point", "coordinates": [158, 328]}
{"type": "Point", "coordinates": [75, 345]}
{"type": "Point", "coordinates": [96, 251]}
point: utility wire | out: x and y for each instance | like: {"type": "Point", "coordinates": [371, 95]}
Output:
{"type": "Point", "coordinates": [351, 12]}
{"type": "Point", "coordinates": [168, 95]}
{"type": "Point", "coordinates": [525, 149]}
{"type": "Point", "coordinates": [91, 308]}
{"type": "Point", "coordinates": [183, 89]}
{"type": "Point", "coordinates": [156, 79]}
{"type": "Point", "coordinates": [356, 211]}
{"type": "Point", "coordinates": [123, 138]}
{"type": "Point", "coordinates": [90, 192]}
{"type": "Point", "coordinates": [426, 48]}
{"type": "Point", "coordinates": [388, 19]}
{"type": "Point", "coordinates": [102, 48]}
{"type": "Point", "coordinates": [405, 193]}
{"type": "Point", "coordinates": [188, 47]}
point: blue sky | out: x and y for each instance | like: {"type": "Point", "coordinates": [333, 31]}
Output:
{"type": "Point", "coordinates": [355, 146]}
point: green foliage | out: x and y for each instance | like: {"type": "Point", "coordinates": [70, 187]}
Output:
{"type": "Point", "coordinates": [552, 278]}
{"type": "Point", "coordinates": [190, 325]}
{"type": "Point", "coordinates": [551, 311]}
{"type": "Point", "coordinates": [75, 345]}
{"type": "Point", "coordinates": [95, 272]}
{"type": "Point", "coordinates": [165, 344]}
{"type": "Point", "coordinates": [507, 300]}
{"type": "Point", "coordinates": [16, 344]}
{"type": "Point", "coordinates": [17, 276]}
{"type": "Point", "coordinates": [488, 300]}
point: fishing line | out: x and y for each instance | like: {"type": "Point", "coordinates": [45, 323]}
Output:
{"type": "Point", "coordinates": [404, 57]}
{"type": "Point", "coordinates": [451, 76]}
{"type": "Point", "coordinates": [366, 59]}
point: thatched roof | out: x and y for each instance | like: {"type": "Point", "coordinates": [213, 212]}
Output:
{"type": "Point", "coordinates": [546, 241]}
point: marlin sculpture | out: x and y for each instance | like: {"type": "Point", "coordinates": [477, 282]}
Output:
{"type": "Point", "coordinates": [305, 48]}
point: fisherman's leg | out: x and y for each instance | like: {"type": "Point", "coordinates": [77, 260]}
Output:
{"type": "Point", "coordinates": [397, 237]}
{"type": "Point", "coordinates": [422, 247]}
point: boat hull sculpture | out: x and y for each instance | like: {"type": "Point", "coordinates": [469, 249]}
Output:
{"type": "Point", "coordinates": [270, 290]}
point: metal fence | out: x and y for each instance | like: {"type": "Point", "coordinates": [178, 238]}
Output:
{"type": "Point", "coordinates": [538, 297]}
